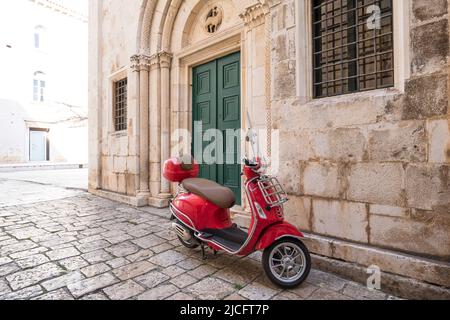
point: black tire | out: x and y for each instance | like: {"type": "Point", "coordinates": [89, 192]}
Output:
{"type": "Point", "coordinates": [272, 277]}
{"type": "Point", "coordinates": [189, 245]}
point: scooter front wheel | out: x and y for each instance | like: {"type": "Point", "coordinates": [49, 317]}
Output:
{"type": "Point", "coordinates": [287, 262]}
{"type": "Point", "coordinates": [188, 244]}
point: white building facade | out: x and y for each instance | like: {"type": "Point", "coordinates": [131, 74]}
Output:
{"type": "Point", "coordinates": [43, 88]}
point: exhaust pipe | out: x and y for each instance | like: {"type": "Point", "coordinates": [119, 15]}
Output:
{"type": "Point", "coordinates": [182, 232]}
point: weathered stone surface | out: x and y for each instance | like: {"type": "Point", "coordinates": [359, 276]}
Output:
{"type": "Point", "coordinates": [141, 255]}
{"type": "Point", "coordinates": [60, 294]}
{"type": "Point", "coordinates": [123, 290]}
{"type": "Point", "coordinates": [24, 294]}
{"type": "Point", "coordinates": [93, 246]}
{"type": "Point", "coordinates": [426, 97]}
{"type": "Point", "coordinates": [376, 183]}
{"type": "Point", "coordinates": [62, 253]}
{"type": "Point", "coordinates": [430, 46]}
{"type": "Point", "coordinates": [122, 249]}
{"type": "Point", "coordinates": [428, 9]}
{"type": "Point", "coordinates": [340, 219]}
{"type": "Point", "coordinates": [189, 263]}
{"type": "Point", "coordinates": [340, 144]}
{"type": "Point", "coordinates": [439, 141]}
{"type": "Point", "coordinates": [257, 291]}
{"type": "Point", "coordinates": [62, 281]}
{"type": "Point", "coordinates": [27, 233]}
{"type": "Point", "coordinates": [210, 289]}
{"type": "Point", "coordinates": [427, 186]}
{"type": "Point", "coordinates": [388, 211]}
{"type": "Point", "coordinates": [325, 294]}
{"type": "Point", "coordinates": [17, 247]}
{"type": "Point", "coordinates": [8, 269]}
{"type": "Point", "coordinates": [181, 296]}
{"type": "Point", "coordinates": [203, 271]}
{"type": "Point", "coordinates": [32, 261]}
{"type": "Point", "coordinates": [359, 292]}
{"type": "Point", "coordinates": [284, 79]}
{"type": "Point", "coordinates": [404, 141]}
{"type": "Point", "coordinates": [290, 173]}
{"type": "Point", "coordinates": [321, 179]}
{"type": "Point", "coordinates": [167, 258]}
{"type": "Point", "coordinates": [300, 139]}
{"type": "Point", "coordinates": [133, 270]}
{"type": "Point", "coordinates": [73, 263]}
{"type": "Point", "coordinates": [241, 274]}
{"type": "Point", "coordinates": [23, 279]}
{"type": "Point", "coordinates": [152, 279]}
{"type": "Point", "coordinates": [426, 234]}
{"type": "Point", "coordinates": [148, 241]}
{"type": "Point", "coordinates": [4, 288]}
{"type": "Point", "coordinates": [4, 260]}
{"type": "Point", "coordinates": [392, 262]}
{"type": "Point", "coordinates": [86, 286]}
{"type": "Point", "coordinates": [97, 256]}
{"type": "Point", "coordinates": [159, 293]}
{"type": "Point", "coordinates": [96, 269]}
{"type": "Point", "coordinates": [305, 290]}
{"type": "Point", "coordinates": [183, 281]}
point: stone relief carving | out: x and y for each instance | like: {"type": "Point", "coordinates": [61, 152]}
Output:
{"type": "Point", "coordinates": [213, 19]}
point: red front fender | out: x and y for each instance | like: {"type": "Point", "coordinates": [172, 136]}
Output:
{"type": "Point", "coordinates": [275, 232]}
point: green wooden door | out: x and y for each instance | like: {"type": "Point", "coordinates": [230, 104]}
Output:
{"type": "Point", "coordinates": [216, 104]}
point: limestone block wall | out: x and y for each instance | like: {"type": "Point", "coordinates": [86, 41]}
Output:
{"type": "Point", "coordinates": [370, 168]}
{"type": "Point", "coordinates": [114, 155]}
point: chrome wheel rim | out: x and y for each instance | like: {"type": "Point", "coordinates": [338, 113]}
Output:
{"type": "Point", "coordinates": [287, 262]}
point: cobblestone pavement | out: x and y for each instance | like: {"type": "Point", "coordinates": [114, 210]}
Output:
{"type": "Point", "coordinates": [85, 247]}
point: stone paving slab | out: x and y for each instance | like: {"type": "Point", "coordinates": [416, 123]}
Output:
{"type": "Point", "coordinates": [85, 247]}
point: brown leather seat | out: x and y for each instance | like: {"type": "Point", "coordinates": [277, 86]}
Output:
{"type": "Point", "coordinates": [221, 196]}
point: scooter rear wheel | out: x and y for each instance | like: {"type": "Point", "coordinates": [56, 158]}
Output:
{"type": "Point", "coordinates": [287, 262]}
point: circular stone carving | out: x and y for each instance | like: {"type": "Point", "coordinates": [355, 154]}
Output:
{"type": "Point", "coordinates": [213, 19]}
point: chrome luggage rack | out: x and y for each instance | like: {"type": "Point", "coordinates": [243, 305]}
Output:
{"type": "Point", "coordinates": [272, 191]}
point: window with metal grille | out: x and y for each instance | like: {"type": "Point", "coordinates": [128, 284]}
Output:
{"type": "Point", "coordinates": [353, 46]}
{"type": "Point", "coordinates": [120, 105]}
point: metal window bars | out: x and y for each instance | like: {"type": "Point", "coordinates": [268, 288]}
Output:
{"type": "Point", "coordinates": [120, 105]}
{"type": "Point", "coordinates": [350, 55]}
{"type": "Point", "coordinates": [272, 191]}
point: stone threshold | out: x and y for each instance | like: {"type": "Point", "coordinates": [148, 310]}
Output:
{"type": "Point", "coordinates": [402, 275]}
{"type": "Point", "coordinates": [34, 166]}
{"type": "Point", "coordinates": [130, 200]}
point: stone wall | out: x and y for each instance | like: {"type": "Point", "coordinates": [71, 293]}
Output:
{"type": "Point", "coordinates": [113, 45]}
{"type": "Point", "coordinates": [370, 168]}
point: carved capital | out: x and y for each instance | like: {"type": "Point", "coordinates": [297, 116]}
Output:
{"type": "Point", "coordinates": [255, 15]}
{"type": "Point", "coordinates": [134, 63]}
{"type": "Point", "coordinates": [165, 59]}
{"type": "Point", "coordinates": [144, 62]}
{"type": "Point", "coordinates": [140, 62]}
{"type": "Point", "coordinates": [154, 62]}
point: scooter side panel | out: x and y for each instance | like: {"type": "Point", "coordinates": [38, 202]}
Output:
{"type": "Point", "coordinates": [275, 232]}
{"type": "Point", "coordinates": [201, 213]}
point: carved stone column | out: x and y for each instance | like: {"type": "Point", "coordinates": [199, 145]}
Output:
{"type": "Point", "coordinates": [135, 71]}
{"type": "Point", "coordinates": [144, 67]}
{"type": "Point", "coordinates": [165, 60]}
{"type": "Point", "coordinates": [256, 54]}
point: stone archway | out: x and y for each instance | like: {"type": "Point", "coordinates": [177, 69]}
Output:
{"type": "Point", "coordinates": [172, 40]}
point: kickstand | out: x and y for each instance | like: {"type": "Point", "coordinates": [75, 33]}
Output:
{"type": "Point", "coordinates": [204, 257]}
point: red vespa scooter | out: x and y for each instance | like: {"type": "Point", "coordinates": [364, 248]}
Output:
{"type": "Point", "coordinates": [202, 213]}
